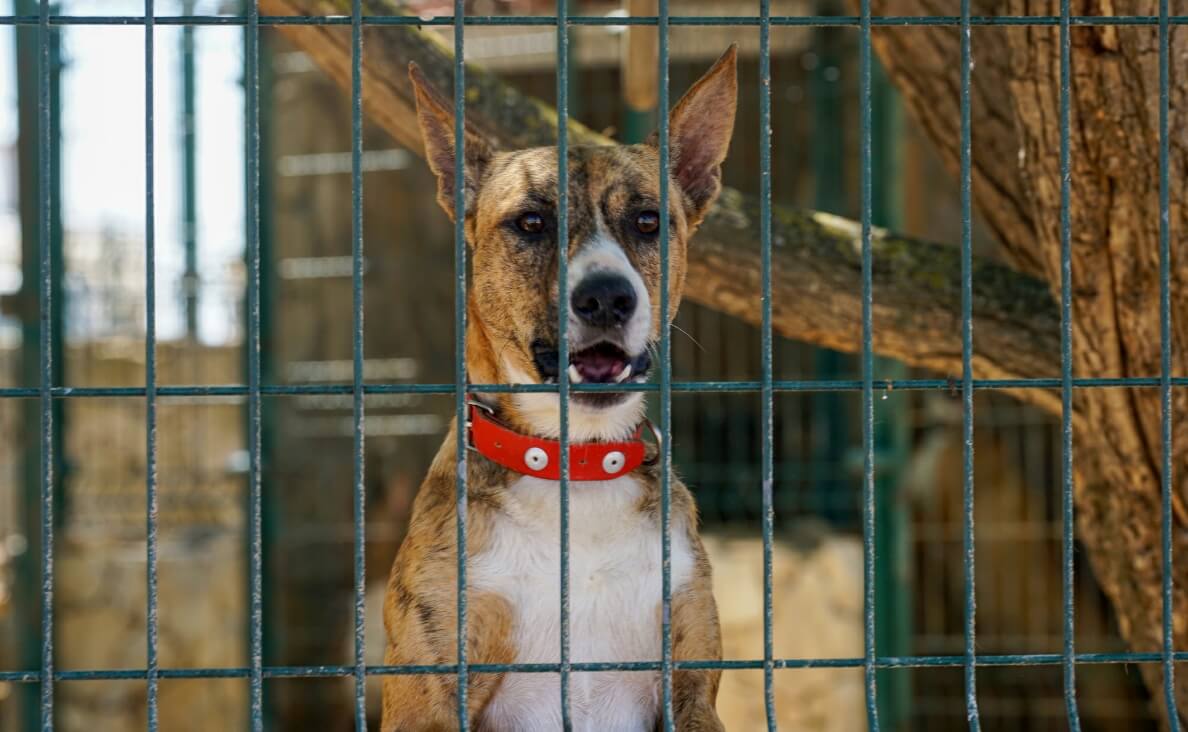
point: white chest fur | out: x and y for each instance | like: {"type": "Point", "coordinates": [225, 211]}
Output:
{"type": "Point", "coordinates": [615, 593]}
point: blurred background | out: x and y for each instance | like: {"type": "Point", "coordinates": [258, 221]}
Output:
{"type": "Point", "coordinates": [98, 239]}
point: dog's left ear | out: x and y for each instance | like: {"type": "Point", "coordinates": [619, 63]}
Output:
{"type": "Point", "coordinates": [699, 131]}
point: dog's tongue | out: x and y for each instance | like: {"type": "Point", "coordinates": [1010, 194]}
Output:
{"type": "Point", "coordinates": [599, 364]}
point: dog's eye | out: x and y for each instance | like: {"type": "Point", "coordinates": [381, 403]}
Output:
{"type": "Point", "coordinates": [531, 223]}
{"type": "Point", "coordinates": [648, 222]}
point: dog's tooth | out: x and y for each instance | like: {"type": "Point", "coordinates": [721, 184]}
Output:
{"type": "Point", "coordinates": [575, 376]}
{"type": "Point", "coordinates": [626, 372]}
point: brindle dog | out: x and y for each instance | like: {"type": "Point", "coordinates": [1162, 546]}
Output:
{"type": "Point", "coordinates": [513, 519]}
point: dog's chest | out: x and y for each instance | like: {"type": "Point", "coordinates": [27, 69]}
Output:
{"type": "Point", "coordinates": [615, 589]}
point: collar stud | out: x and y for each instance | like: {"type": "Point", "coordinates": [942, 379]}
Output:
{"type": "Point", "coordinates": [536, 459]}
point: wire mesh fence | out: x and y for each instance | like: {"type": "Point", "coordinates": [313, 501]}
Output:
{"type": "Point", "coordinates": [348, 382]}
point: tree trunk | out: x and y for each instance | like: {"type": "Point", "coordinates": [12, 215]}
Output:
{"type": "Point", "coordinates": [1115, 219]}
{"type": "Point", "coordinates": [1016, 176]}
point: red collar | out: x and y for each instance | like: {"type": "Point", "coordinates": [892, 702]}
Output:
{"type": "Point", "coordinates": [541, 458]}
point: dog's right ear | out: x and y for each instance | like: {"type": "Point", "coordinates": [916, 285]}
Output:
{"type": "Point", "coordinates": [437, 130]}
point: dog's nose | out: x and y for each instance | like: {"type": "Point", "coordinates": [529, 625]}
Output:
{"type": "Point", "coordinates": [604, 300]}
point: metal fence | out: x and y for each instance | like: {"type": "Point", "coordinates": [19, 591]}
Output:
{"type": "Point", "coordinates": [50, 391]}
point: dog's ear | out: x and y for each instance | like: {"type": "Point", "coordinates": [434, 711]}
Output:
{"type": "Point", "coordinates": [699, 131]}
{"type": "Point", "coordinates": [436, 119]}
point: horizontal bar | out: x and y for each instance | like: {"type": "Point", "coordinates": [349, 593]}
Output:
{"type": "Point", "coordinates": [816, 21]}
{"type": "Point", "coordinates": [332, 671]}
{"type": "Point", "coordinates": [795, 385]}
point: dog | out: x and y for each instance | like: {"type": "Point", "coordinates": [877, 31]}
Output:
{"type": "Point", "coordinates": [513, 512]}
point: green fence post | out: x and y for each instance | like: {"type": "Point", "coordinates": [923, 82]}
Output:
{"type": "Point", "coordinates": [893, 545]}
{"type": "Point", "coordinates": [830, 435]}
{"type": "Point", "coordinates": [258, 161]}
{"type": "Point", "coordinates": [28, 607]}
{"type": "Point", "coordinates": [190, 280]}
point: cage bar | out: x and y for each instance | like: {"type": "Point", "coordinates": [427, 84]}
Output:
{"type": "Point", "coordinates": [150, 377]}
{"type": "Point", "coordinates": [665, 350]}
{"type": "Point", "coordinates": [1165, 366]}
{"type": "Point", "coordinates": [735, 386]}
{"type": "Point", "coordinates": [967, 406]}
{"type": "Point", "coordinates": [563, 346]}
{"type": "Point", "coordinates": [767, 395]}
{"type": "Point", "coordinates": [1068, 574]}
{"type": "Point", "coordinates": [460, 378]}
{"type": "Point", "coordinates": [868, 455]}
{"type": "Point", "coordinates": [358, 422]}
{"type": "Point", "coordinates": [45, 356]}
{"type": "Point", "coordinates": [254, 438]}
{"type": "Point", "coordinates": [898, 21]}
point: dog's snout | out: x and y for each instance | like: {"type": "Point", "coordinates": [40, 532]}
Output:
{"type": "Point", "coordinates": [604, 300]}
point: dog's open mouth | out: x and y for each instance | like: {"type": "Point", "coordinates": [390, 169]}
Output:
{"type": "Point", "coordinates": [605, 363]}
{"type": "Point", "coordinates": [601, 363]}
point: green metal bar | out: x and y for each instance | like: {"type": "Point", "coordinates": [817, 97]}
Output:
{"type": "Point", "coordinates": [637, 125]}
{"type": "Point", "coordinates": [798, 21]}
{"type": "Point", "coordinates": [273, 631]}
{"type": "Point", "coordinates": [190, 278]}
{"type": "Point", "coordinates": [357, 406]}
{"type": "Point", "coordinates": [460, 376]}
{"type": "Point", "coordinates": [1018, 660]}
{"type": "Point", "coordinates": [893, 598]}
{"type": "Point", "coordinates": [868, 452]}
{"type": "Point", "coordinates": [1167, 415]}
{"type": "Point", "coordinates": [831, 431]}
{"type": "Point", "coordinates": [780, 385]}
{"type": "Point", "coordinates": [150, 379]}
{"type": "Point", "coordinates": [563, 82]}
{"type": "Point", "coordinates": [967, 423]}
{"type": "Point", "coordinates": [767, 393]}
{"type": "Point", "coordinates": [39, 164]}
{"type": "Point", "coordinates": [252, 348]}
{"type": "Point", "coordinates": [46, 270]}
{"type": "Point", "coordinates": [665, 353]}
{"type": "Point", "coordinates": [1068, 576]}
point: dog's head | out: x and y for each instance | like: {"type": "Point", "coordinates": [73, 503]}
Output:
{"type": "Point", "coordinates": [613, 298]}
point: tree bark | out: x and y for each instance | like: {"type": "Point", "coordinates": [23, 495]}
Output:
{"type": "Point", "coordinates": [1115, 217]}
{"type": "Point", "coordinates": [816, 267]}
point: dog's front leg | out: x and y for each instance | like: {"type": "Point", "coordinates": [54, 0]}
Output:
{"type": "Point", "coordinates": [696, 637]}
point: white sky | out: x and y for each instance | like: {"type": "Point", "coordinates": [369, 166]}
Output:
{"type": "Point", "coordinates": [103, 132]}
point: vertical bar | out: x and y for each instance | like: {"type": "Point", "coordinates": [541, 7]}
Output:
{"type": "Point", "coordinates": [868, 494]}
{"type": "Point", "coordinates": [967, 427]}
{"type": "Point", "coordinates": [665, 388]}
{"type": "Point", "coordinates": [150, 372]}
{"type": "Point", "coordinates": [45, 402]}
{"type": "Point", "coordinates": [563, 336]}
{"type": "Point", "coordinates": [767, 395]}
{"type": "Point", "coordinates": [460, 345]}
{"type": "Point", "coordinates": [255, 553]}
{"type": "Point", "coordinates": [189, 178]}
{"type": "Point", "coordinates": [830, 433]}
{"type": "Point", "coordinates": [34, 193]}
{"type": "Point", "coordinates": [271, 519]}
{"type": "Point", "coordinates": [1165, 366]}
{"type": "Point", "coordinates": [893, 548]}
{"type": "Point", "coordinates": [359, 425]}
{"type": "Point", "coordinates": [1068, 575]}
{"type": "Point", "coordinates": [639, 86]}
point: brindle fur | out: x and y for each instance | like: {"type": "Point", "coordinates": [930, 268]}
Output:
{"type": "Point", "coordinates": [513, 302]}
